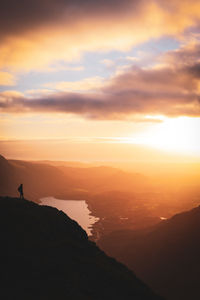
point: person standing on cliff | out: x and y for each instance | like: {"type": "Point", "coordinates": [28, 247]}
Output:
{"type": "Point", "coordinates": [20, 190]}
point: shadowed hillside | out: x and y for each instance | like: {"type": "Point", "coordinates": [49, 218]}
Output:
{"type": "Point", "coordinates": [46, 255]}
{"type": "Point", "coordinates": [165, 256]}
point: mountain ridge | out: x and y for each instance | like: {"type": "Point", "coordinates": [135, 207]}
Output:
{"type": "Point", "coordinates": [166, 256]}
{"type": "Point", "coordinates": [46, 255]}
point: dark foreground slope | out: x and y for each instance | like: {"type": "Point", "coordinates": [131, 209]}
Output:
{"type": "Point", "coordinates": [46, 255]}
{"type": "Point", "coordinates": [166, 256]}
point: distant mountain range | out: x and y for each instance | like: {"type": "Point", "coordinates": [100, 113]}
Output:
{"type": "Point", "coordinates": [66, 182]}
{"type": "Point", "coordinates": [46, 256]}
{"type": "Point", "coordinates": [116, 197]}
{"type": "Point", "coordinates": [166, 256]}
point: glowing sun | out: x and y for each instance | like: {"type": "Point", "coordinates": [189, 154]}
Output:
{"type": "Point", "coordinates": [173, 134]}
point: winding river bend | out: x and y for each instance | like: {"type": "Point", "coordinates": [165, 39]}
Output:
{"type": "Point", "coordinates": [75, 209]}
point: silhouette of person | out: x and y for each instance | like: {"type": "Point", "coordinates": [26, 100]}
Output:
{"type": "Point", "coordinates": [20, 190]}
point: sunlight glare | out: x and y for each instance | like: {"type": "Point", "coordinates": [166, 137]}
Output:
{"type": "Point", "coordinates": [173, 134]}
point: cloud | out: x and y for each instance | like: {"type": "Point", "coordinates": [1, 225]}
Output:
{"type": "Point", "coordinates": [132, 58]}
{"type": "Point", "coordinates": [173, 89]}
{"type": "Point", "coordinates": [57, 68]}
{"type": "Point", "coordinates": [38, 92]}
{"type": "Point", "coordinates": [7, 79]}
{"type": "Point", "coordinates": [86, 84]}
{"type": "Point", "coordinates": [109, 63]}
{"type": "Point", "coordinates": [166, 91]}
{"type": "Point", "coordinates": [10, 95]}
{"type": "Point", "coordinates": [36, 33]}
{"type": "Point", "coordinates": [187, 55]}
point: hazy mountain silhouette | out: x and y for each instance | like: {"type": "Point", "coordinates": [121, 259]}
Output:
{"type": "Point", "coordinates": [165, 256]}
{"type": "Point", "coordinates": [121, 200]}
{"type": "Point", "coordinates": [41, 179]}
{"type": "Point", "coordinates": [38, 179]}
{"type": "Point", "coordinates": [46, 255]}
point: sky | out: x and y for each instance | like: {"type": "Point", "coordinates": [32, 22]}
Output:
{"type": "Point", "coordinates": [100, 80]}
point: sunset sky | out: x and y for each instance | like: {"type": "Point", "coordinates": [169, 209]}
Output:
{"type": "Point", "coordinates": [100, 80]}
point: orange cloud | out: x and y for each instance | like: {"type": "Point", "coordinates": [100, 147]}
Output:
{"type": "Point", "coordinates": [38, 34]}
{"type": "Point", "coordinates": [7, 79]}
{"type": "Point", "coordinates": [187, 55]}
{"type": "Point", "coordinates": [166, 91]}
{"type": "Point", "coordinates": [86, 84]}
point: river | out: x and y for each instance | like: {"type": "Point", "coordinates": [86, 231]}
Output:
{"type": "Point", "coordinates": [75, 209]}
